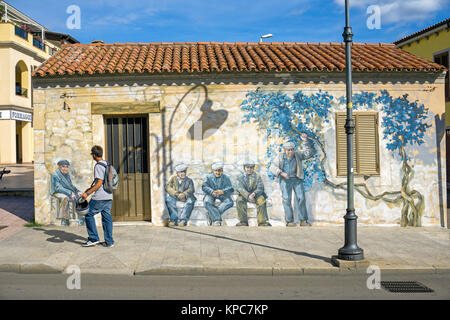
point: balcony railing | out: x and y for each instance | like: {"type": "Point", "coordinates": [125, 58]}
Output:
{"type": "Point", "coordinates": [21, 92]}
{"type": "Point", "coordinates": [38, 44]}
{"type": "Point", "coordinates": [20, 32]}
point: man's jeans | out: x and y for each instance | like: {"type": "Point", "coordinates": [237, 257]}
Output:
{"type": "Point", "coordinates": [103, 206]}
{"type": "Point", "coordinates": [296, 185]}
{"type": "Point", "coordinates": [261, 209]}
{"type": "Point", "coordinates": [171, 203]}
{"type": "Point", "coordinates": [216, 212]}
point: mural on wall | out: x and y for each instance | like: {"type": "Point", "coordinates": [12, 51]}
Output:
{"type": "Point", "coordinates": [404, 124]}
{"type": "Point", "coordinates": [64, 194]}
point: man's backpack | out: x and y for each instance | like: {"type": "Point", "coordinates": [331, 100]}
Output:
{"type": "Point", "coordinates": [111, 179]}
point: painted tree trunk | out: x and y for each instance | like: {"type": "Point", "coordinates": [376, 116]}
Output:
{"type": "Point", "coordinates": [412, 200]}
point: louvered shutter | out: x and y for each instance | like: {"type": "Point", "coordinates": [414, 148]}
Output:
{"type": "Point", "coordinates": [367, 143]}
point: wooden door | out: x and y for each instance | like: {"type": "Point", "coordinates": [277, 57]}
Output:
{"type": "Point", "coordinates": [127, 149]}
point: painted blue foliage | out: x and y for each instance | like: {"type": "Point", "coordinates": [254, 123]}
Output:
{"type": "Point", "coordinates": [288, 117]}
{"type": "Point", "coordinates": [404, 122]}
{"type": "Point", "coordinates": [361, 100]}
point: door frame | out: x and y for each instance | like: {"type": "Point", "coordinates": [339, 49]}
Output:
{"type": "Point", "coordinates": [145, 116]}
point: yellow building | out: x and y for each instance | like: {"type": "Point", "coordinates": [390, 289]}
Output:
{"type": "Point", "coordinates": [432, 43]}
{"type": "Point", "coordinates": [24, 45]}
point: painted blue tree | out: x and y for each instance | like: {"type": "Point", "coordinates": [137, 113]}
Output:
{"type": "Point", "coordinates": [404, 123]}
{"type": "Point", "coordinates": [290, 117]}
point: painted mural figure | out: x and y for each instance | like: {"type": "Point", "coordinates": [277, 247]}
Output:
{"type": "Point", "coordinates": [288, 168]}
{"type": "Point", "coordinates": [63, 188]}
{"type": "Point", "coordinates": [180, 188]}
{"type": "Point", "coordinates": [217, 186]}
{"type": "Point", "coordinates": [251, 189]}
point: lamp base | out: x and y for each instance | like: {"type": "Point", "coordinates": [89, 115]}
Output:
{"type": "Point", "coordinates": [350, 265]}
{"type": "Point", "coordinates": [354, 253]}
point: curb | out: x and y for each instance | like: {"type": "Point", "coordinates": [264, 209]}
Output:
{"type": "Point", "coordinates": [112, 272]}
{"type": "Point", "coordinates": [203, 271]}
{"type": "Point", "coordinates": [237, 271]}
{"type": "Point", "coordinates": [10, 267]}
{"type": "Point", "coordinates": [276, 271]}
{"type": "Point", "coordinates": [25, 192]}
{"type": "Point", "coordinates": [30, 268]}
{"type": "Point", "coordinates": [39, 268]}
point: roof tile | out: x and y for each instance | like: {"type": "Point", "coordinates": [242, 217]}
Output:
{"type": "Point", "coordinates": [189, 57]}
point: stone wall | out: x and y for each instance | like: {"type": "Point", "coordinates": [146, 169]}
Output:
{"type": "Point", "coordinates": [183, 126]}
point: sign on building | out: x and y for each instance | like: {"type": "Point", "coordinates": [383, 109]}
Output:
{"type": "Point", "coordinates": [15, 115]}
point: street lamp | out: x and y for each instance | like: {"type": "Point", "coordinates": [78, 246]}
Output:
{"type": "Point", "coordinates": [350, 251]}
{"type": "Point", "coordinates": [264, 37]}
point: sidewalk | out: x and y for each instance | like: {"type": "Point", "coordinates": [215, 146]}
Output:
{"type": "Point", "coordinates": [20, 178]}
{"type": "Point", "coordinates": [145, 250]}
{"type": "Point", "coordinates": [15, 211]}
{"type": "Point", "coordinates": [16, 198]}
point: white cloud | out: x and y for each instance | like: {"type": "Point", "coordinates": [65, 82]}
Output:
{"type": "Point", "coordinates": [122, 15]}
{"type": "Point", "coordinates": [400, 11]}
{"type": "Point", "coordinates": [297, 12]}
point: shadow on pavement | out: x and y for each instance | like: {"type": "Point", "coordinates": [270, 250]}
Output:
{"type": "Point", "coordinates": [22, 207]}
{"type": "Point", "coordinates": [305, 254]}
{"type": "Point", "coordinates": [59, 236]}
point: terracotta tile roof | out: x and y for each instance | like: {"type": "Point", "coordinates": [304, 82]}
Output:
{"type": "Point", "coordinates": [192, 57]}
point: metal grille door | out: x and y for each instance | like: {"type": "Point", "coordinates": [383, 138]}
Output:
{"type": "Point", "coordinates": [127, 150]}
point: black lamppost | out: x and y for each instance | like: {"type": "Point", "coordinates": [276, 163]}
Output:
{"type": "Point", "coordinates": [350, 251]}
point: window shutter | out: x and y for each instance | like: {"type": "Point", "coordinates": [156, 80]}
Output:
{"type": "Point", "coordinates": [367, 143]}
{"type": "Point", "coordinates": [341, 145]}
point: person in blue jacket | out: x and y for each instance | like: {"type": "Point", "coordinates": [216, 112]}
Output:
{"type": "Point", "coordinates": [63, 188]}
{"type": "Point", "coordinates": [217, 186]}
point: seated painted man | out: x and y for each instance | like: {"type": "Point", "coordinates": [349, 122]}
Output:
{"type": "Point", "coordinates": [217, 186]}
{"type": "Point", "coordinates": [180, 188]}
{"type": "Point", "coordinates": [63, 188]}
{"type": "Point", "coordinates": [251, 189]}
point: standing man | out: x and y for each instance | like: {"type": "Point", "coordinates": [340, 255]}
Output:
{"type": "Point", "coordinates": [217, 186]}
{"type": "Point", "coordinates": [251, 189]}
{"type": "Point", "coordinates": [180, 188]}
{"type": "Point", "coordinates": [101, 201]}
{"type": "Point", "coordinates": [288, 168]}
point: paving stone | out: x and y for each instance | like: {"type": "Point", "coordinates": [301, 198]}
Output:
{"type": "Point", "coordinates": [231, 250]}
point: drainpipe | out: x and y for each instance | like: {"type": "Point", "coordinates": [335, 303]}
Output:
{"type": "Point", "coordinates": [6, 11]}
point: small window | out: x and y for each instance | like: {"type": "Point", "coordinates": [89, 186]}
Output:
{"type": "Point", "coordinates": [22, 78]}
{"type": "Point", "coordinates": [442, 59]}
{"type": "Point", "coordinates": [365, 144]}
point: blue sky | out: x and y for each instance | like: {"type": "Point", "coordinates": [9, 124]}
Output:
{"type": "Point", "coordinates": [234, 20]}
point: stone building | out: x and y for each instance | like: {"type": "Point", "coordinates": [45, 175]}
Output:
{"type": "Point", "coordinates": [153, 105]}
